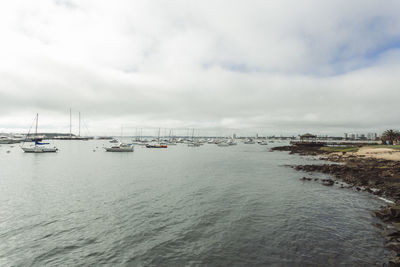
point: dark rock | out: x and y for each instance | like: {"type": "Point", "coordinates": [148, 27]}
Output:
{"type": "Point", "coordinates": [394, 261]}
{"type": "Point", "coordinates": [328, 182]}
{"type": "Point", "coordinates": [381, 214]}
{"type": "Point", "coordinates": [393, 246]}
{"type": "Point", "coordinates": [395, 211]}
{"type": "Point", "coordinates": [396, 226]}
{"type": "Point", "coordinates": [380, 226]}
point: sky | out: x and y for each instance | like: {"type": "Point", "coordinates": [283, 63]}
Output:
{"type": "Point", "coordinates": [223, 66]}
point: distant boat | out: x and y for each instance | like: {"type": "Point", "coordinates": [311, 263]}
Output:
{"type": "Point", "coordinates": [249, 141]}
{"type": "Point", "coordinates": [121, 147]}
{"type": "Point", "coordinates": [232, 142]}
{"type": "Point", "coordinates": [263, 143]}
{"type": "Point", "coordinates": [72, 136]}
{"type": "Point", "coordinates": [113, 140]}
{"type": "Point", "coordinates": [156, 146]}
{"type": "Point", "coordinates": [194, 144]}
{"type": "Point", "coordinates": [223, 144]}
{"type": "Point", "coordinates": [6, 140]}
{"type": "Point", "coordinates": [171, 143]}
{"type": "Point", "coordinates": [38, 147]}
{"type": "Point", "coordinates": [104, 138]}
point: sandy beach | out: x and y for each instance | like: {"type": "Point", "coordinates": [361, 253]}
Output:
{"type": "Point", "coordinates": [379, 153]}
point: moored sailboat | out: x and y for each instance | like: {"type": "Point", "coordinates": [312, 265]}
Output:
{"type": "Point", "coordinates": [38, 147]}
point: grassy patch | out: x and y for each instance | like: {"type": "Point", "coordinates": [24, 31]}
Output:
{"type": "Point", "coordinates": [383, 167]}
{"type": "Point", "coordinates": [340, 149]}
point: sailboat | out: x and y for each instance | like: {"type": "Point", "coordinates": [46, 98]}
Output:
{"type": "Point", "coordinates": [158, 144]}
{"type": "Point", "coordinates": [121, 147]}
{"type": "Point", "coordinates": [194, 143]}
{"type": "Point", "coordinates": [72, 136]}
{"type": "Point", "coordinates": [38, 147]}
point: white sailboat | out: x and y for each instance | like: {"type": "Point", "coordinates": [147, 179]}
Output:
{"type": "Point", "coordinates": [194, 143]}
{"type": "Point", "coordinates": [72, 136]}
{"type": "Point", "coordinates": [38, 147]}
{"type": "Point", "coordinates": [249, 141]}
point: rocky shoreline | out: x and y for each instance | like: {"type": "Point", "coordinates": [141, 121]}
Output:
{"type": "Point", "coordinates": [377, 176]}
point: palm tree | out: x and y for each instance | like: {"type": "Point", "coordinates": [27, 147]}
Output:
{"type": "Point", "coordinates": [390, 136]}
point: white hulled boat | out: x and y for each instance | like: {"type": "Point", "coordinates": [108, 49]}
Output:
{"type": "Point", "coordinates": [121, 147]}
{"type": "Point", "coordinates": [249, 141]}
{"type": "Point", "coordinates": [39, 147]}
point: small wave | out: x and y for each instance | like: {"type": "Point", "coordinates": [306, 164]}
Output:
{"type": "Point", "coordinates": [386, 200]}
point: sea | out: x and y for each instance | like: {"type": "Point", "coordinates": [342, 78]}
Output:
{"type": "Point", "coordinates": [180, 206]}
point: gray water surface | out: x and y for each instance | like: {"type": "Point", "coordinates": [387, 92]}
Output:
{"type": "Point", "coordinates": [180, 206]}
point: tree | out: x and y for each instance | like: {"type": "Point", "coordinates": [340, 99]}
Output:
{"type": "Point", "coordinates": [390, 136]}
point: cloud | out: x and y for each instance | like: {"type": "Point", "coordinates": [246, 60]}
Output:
{"type": "Point", "coordinates": [269, 66]}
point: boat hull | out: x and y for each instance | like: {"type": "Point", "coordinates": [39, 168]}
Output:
{"type": "Point", "coordinates": [39, 150]}
{"type": "Point", "coordinates": [156, 146]}
{"type": "Point", "coordinates": [130, 149]}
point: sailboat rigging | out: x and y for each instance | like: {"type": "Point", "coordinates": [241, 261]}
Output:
{"type": "Point", "coordinates": [38, 147]}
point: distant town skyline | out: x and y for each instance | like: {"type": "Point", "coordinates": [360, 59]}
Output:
{"type": "Point", "coordinates": [267, 67]}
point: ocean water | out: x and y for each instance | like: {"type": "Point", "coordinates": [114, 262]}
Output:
{"type": "Point", "coordinates": [180, 206]}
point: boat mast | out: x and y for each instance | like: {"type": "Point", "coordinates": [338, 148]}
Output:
{"type": "Point", "coordinates": [37, 122]}
{"type": "Point", "coordinates": [79, 133]}
{"type": "Point", "coordinates": [70, 124]}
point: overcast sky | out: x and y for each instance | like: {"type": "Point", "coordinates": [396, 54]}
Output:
{"type": "Point", "coordinates": [273, 67]}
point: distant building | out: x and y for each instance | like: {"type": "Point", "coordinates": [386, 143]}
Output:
{"type": "Point", "coordinates": [346, 136]}
{"type": "Point", "coordinates": [234, 136]}
{"type": "Point", "coordinates": [372, 136]}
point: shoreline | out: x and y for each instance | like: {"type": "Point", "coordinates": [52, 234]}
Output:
{"type": "Point", "coordinates": [374, 170]}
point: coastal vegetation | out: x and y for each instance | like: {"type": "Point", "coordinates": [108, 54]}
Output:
{"type": "Point", "coordinates": [390, 137]}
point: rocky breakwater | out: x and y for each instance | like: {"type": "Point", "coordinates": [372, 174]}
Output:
{"type": "Point", "coordinates": [377, 176]}
{"type": "Point", "coordinates": [391, 216]}
{"type": "Point", "coordinates": [303, 150]}
{"type": "Point", "coordinates": [380, 177]}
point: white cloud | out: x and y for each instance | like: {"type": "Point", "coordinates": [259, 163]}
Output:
{"type": "Point", "coordinates": [273, 66]}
